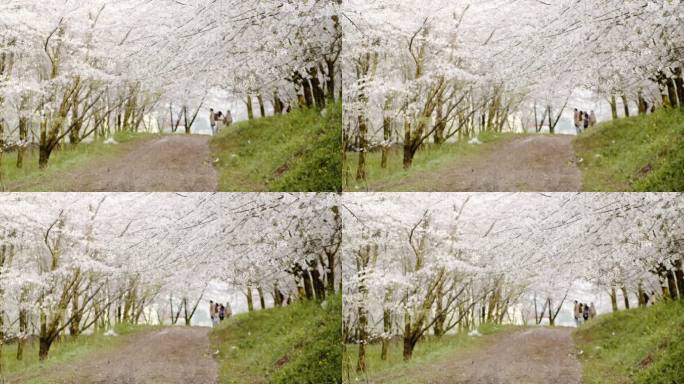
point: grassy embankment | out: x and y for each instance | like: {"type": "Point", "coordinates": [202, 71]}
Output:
{"type": "Point", "coordinates": [62, 351]}
{"type": "Point", "coordinates": [636, 346]}
{"type": "Point", "coordinates": [299, 343]}
{"type": "Point", "coordinates": [299, 151]}
{"type": "Point", "coordinates": [429, 158]}
{"type": "Point", "coordinates": [61, 160]}
{"type": "Point", "coordinates": [427, 351]}
{"type": "Point", "coordinates": [641, 153]}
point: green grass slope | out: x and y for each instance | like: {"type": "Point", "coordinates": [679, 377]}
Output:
{"type": "Point", "coordinates": [642, 153]}
{"type": "Point", "coordinates": [294, 344]}
{"type": "Point", "coordinates": [296, 152]}
{"type": "Point", "coordinates": [637, 346]}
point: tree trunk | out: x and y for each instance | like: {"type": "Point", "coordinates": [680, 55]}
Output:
{"type": "Point", "coordinates": [671, 92]}
{"type": "Point", "coordinates": [640, 293]}
{"type": "Point", "coordinates": [307, 93]}
{"type": "Point", "coordinates": [2, 148]}
{"type": "Point", "coordinates": [642, 103]}
{"type": "Point", "coordinates": [45, 343]}
{"type": "Point", "coordinates": [250, 301]}
{"type": "Point", "coordinates": [363, 148]}
{"type": "Point", "coordinates": [331, 78]}
{"type": "Point", "coordinates": [386, 136]}
{"type": "Point", "coordinates": [409, 148]}
{"type": "Point", "coordinates": [187, 124]}
{"type": "Point", "coordinates": [363, 336]}
{"type": "Point", "coordinates": [277, 104]}
{"type": "Point", "coordinates": [625, 105]}
{"type": "Point", "coordinates": [613, 299]}
{"type": "Point", "coordinates": [262, 300]}
{"type": "Point", "coordinates": [317, 90]}
{"type": "Point", "coordinates": [679, 277]}
{"type": "Point", "coordinates": [23, 329]}
{"type": "Point", "coordinates": [625, 296]}
{"type": "Point", "coordinates": [409, 345]}
{"type": "Point", "coordinates": [278, 297]}
{"type": "Point", "coordinates": [44, 155]}
{"type": "Point", "coordinates": [440, 314]}
{"type": "Point", "coordinates": [250, 108]}
{"type": "Point", "coordinates": [671, 284]}
{"type": "Point", "coordinates": [23, 135]}
{"type": "Point", "coordinates": [387, 328]}
{"type": "Point", "coordinates": [262, 107]}
{"type": "Point", "coordinates": [2, 341]}
{"type": "Point", "coordinates": [613, 107]}
{"type": "Point", "coordinates": [440, 123]}
{"type": "Point", "coordinates": [679, 86]}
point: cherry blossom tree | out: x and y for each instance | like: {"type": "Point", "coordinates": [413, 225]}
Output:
{"type": "Point", "coordinates": [440, 70]}
{"type": "Point", "coordinates": [78, 70]}
{"type": "Point", "coordinates": [430, 263]}
{"type": "Point", "coordinates": [77, 262]}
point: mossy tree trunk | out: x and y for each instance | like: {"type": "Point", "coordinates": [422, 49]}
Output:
{"type": "Point", "coordinates": [277, 104]}
{"type": "Point", "coordinates": [262, 107]}
{"type": "Point", "coordinates": [386, 133]}
{"type": "Point", "coordinates": [613, 107]}
{"type": "Point", "coordinates": [23, 131]}
{"type": "Point", "coordinates": [250, 107]}
{"type": "Point", "coordinates": [250, 299]}
{"type": "Point", "coordinates": [387, 330]}
{"type": "Point", "coordinates": [641, 103]}
{"type": "Point", "coordinates": [625, 104]}
{"type": "Point", "coordinates": [625, 296]}
{"type": "Point", "coordinates": [613, 299]}
{"type": "Point", "coordinates": [671, 92]}
{"type": "Point", "coordinates": [679, 85]}
{"type": "Point", "coordinates": [262, 299]}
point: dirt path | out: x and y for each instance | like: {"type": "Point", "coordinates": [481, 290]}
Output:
{"type": "Point", "coordinates": [176, 355]}
{"type": "Point", "coordinates": [533, 356]}
{"type": "Point", "coordinates": [532, 163]}
{"type": "Point", "coordinates": [169, 163]}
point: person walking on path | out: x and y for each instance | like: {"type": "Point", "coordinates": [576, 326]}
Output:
{"type": "Point", "coordinates": [222, 312]}
{"type": "Point", "coordinates": [577, 313]}
{"type": "Point", "coordinates": [585, 313]}
{"type": "Point", "coordinates": [586, 121]}
{"type": "Point", "coordinates": [229, 311]}
{"type": "Point", "coordinates": [592, 119]}
{"type": "Point", "coordinates": [211, 312]}
{"type": "Point", "coordinates": [577, 121]}
{"type": "Point", "coordinates": [228, 119]}
{"type": "Point", "coordinates": [212, 121]}
{"type": "Point", "coordinates": [592, 311]}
